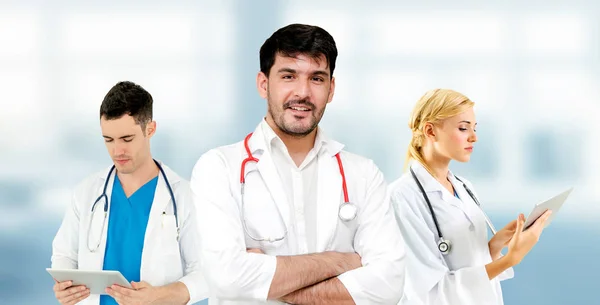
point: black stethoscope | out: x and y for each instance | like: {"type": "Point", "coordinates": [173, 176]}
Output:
{"type": "Point", "coordinates": [347, 210]}
{"type": "Point", "coordinates": [105, 197]}
{"type": "Point", "coordinates": [444, 245]}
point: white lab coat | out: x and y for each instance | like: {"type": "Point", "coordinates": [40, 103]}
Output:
{"type": "Point", "coordinates": [431, 278]}
{"type": "Point", "coordinates": [164, 260]}
{"type": "Point", "coordinates": [237, 277]}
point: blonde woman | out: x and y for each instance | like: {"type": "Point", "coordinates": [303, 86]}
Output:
{"type": "Point", "coordinates": [450, 258]}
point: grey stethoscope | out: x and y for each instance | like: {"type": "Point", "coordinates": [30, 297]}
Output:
{"type": "Point", "coordinates": [444, 245]}
{"type": "Point", "coordinates": [105, 197]}
{"type": "Point", "coordinates": [347, 210]}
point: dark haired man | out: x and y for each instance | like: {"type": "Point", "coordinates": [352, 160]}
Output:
{"type": "Point", "coordinates": [136, 217]}
{"type": "Point", "coordinates": [287, 215]}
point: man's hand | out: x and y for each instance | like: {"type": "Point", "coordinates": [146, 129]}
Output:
{"type": "Point", "coordinates": [252, 250]}
{"type": "Point", "coordinates": [141, 294]}
{"type": "Point", "coordinates": [66, 294]}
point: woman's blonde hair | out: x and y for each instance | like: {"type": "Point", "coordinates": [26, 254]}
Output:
{"type": "Point", "coordinates": [434, 106]}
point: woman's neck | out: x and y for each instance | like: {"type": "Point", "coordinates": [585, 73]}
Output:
{"type": "Point", "coordinates": [438, 164]}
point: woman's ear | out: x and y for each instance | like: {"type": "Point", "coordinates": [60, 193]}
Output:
{"type": "Point", "coordinates": [429, 131]}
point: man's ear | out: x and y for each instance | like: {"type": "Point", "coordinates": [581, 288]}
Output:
{"type": "Point", "coordinates": [262, 84]}
{"type": "Point", "coordinates": [150, 129]}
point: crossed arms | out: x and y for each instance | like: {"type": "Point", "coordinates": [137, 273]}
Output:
{"type": "Point", "coordinates": [372, 275]}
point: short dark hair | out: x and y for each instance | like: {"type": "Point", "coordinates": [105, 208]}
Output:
{"type": "Point", "coordinates": [127, 98]}
{"type": "Point", "coordinates": [295, 39]}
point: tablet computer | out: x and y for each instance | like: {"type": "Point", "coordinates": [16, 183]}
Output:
{"type": "Point", "coordinates": [96, 280]}
{"type": "Point", "coordinates": [552, 204]}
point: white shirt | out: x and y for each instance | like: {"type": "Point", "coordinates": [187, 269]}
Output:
{"type": "Point", "coordinates": [432, 278]}
{"type": "Point", "coordinates": [300, 183]}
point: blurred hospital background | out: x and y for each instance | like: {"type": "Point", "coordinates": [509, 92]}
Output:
{"type": "Point", "coordinates": [532, 68]}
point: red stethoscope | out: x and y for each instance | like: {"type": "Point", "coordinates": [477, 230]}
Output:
{"type": "Point", "coordinates": [347, 210]}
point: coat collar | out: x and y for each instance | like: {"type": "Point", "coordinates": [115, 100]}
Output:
{"type": "Point", "coordinates": [263, 137]}
{"type": "Point", "coordinates": [431, 185]}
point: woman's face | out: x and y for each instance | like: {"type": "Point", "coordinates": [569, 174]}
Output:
{"type": "Point", "coordinates": [455, 136]}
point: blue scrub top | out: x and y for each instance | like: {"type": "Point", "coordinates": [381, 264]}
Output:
{"type": "Point", "coordinates": [126, 230]}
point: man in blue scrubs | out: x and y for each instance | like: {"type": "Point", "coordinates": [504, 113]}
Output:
{"type": "Point", "coordinates": [150, 235]}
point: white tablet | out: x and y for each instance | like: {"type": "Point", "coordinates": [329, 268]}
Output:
{"type": "Point", "coordinates": [552, 204]}
{"type": "Point", "coordinates": [96, 280]}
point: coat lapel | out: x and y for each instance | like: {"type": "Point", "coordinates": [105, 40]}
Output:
{"type": "Point", "coordinates": [162, 202]}
{"type": "Point", "coordinates": [270, 176]}
{"type": "Point", "coordinates": [433, 187]}
{"type": "Point", "coordinates": [329, 198]}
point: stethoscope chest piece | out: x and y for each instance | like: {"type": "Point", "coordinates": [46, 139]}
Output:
{"type": "Point", "coordinates": [348, 211]}
{"type": "Point", "coordinates": [444, 246]}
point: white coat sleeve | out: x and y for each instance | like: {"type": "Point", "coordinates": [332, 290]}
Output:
{"type": "Point", "coordinates": [380, 246]}
{"type": "Point", "coordinates": [65, 245]}
{"type": "Point", "coordinates": [193, 277]}
{"type": "Point", "coordinates": [427, 277]}
{"type": "Point", "coordinates": [230, 271]}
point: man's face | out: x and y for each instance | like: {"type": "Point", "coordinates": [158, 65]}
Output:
{"type": "Point", "coordinates": [297, 90]}
{"type": "Point", "coordinates": [127, 144]}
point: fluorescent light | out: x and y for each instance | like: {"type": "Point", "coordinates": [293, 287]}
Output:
{"type": "Point", "coordinates": [395, 91]}
{"type": "Point", "coordinates": [564, 94]}
{"type": "Point", "coordinates": [20, 94]}
{"type": "Point", "coordinates": [214, 35]}
{"type": "Point", "coordinates": [556, 35]}
{"type": "Point", "coordinates": [26, 111]}
{"type": "Point", "coordinates": [487, 88]}
{"type": "Point", "coordinates": [126, 34]}
{"type": "Point", "coordinates": [438, 33]}
{"type": "Point", "coordinates": [18, 34]}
